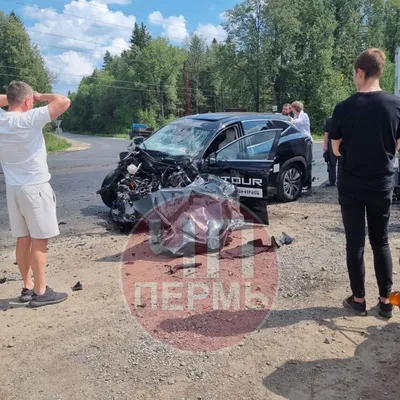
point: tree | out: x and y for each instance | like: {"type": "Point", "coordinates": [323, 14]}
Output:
{"type": "Point", "coordinates": [19, 58]}
{"type": "Point", "coordinates": [140, 37]}
{"type": "Point", "coordinates": [107, 60]}
{"type": "Point", "coordinates": [196, 54]}
{"type": "Point", "coordinates": [392, 28]}
{"type": "Point", "coordinates": [247, 28]}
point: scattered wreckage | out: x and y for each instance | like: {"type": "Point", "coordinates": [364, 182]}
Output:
{"type": "Point", "coordinates": [187, 212]}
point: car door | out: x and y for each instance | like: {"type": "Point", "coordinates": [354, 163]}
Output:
{"type": "Point", "coordinates": [246, 162]}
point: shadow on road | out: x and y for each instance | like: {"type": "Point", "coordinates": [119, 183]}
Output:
{"type": "Point", "coordinates": [7, 304]}
{"type": "Point", "coordinates": [372, 373]}
{"type": "Point", "coordinates": [224, 323]}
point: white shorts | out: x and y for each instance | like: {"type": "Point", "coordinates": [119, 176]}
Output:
{"type": "Point", "coordinates": [32, 211]}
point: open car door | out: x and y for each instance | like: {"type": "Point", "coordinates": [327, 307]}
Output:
{"type": "Point", "coordinates": [246, 162]}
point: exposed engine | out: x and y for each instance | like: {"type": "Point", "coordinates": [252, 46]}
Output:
{"type": "Point", "coordinates": [142, 174]}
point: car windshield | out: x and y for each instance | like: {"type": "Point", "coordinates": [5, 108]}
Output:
{"type": "Point", "coordinates": [178, 139]}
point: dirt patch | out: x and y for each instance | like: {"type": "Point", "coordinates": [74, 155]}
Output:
{"type": "Point", "coordinates": [309, 347]}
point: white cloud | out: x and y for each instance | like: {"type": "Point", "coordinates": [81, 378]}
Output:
{"type": "Point", "coordinates": [95, 27]}
{"type": "Point", "coordinates": [223, 16]}
{"type": "Point", "coordinates": [210, 31]}
{"type": "Point", "coordinates": [121, 2]}
{"type": "Point", "coordinates": [71, 66]}
{"type": "Point", "coordinates": [174, 27]}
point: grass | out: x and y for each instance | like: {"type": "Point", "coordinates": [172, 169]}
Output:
{"type": "Point", "coordinates": [53, 143]}
{"type": "Point", "coordinates": [318, 136]}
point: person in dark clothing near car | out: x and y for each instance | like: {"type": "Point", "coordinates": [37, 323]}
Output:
{"type": "Point", "coordinates": [331, 158]}
{"type": "Point", "coordinates": [365, 134]}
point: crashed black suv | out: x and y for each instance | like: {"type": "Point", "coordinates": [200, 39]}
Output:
{"type": "Point", "coordinates": [262, 154]}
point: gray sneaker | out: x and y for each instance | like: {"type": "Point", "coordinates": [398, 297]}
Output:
{"type": "Point", "coordinates": [48, 298]}
{"type": "Point", "coordinates": [26, 295]}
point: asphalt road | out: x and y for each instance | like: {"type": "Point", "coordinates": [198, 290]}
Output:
{"type": "Point", "coordinates": [76, 176]}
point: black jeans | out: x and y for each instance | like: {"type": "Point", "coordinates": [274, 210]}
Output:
{"type": "Point", "coordinates": [333, 162]}
{"type": "Point", "coordinates": [377, 208]}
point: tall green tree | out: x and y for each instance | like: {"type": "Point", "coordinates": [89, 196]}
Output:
{"type": "Point", "coordinates": [19, 58]}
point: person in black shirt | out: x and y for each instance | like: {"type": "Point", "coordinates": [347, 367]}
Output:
{"type": "Point", "coordinates": [332, 158]}
{"type": "Point", "coordinates": [365, 134]}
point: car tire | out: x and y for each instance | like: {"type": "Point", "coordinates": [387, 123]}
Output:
{"type": "Point", "coordinates": [109, 196]}
{"type": "Point", "coordinates": [290, 183]}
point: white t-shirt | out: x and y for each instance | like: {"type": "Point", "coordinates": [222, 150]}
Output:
{"type": "Point", "coordinates": [23, 152]}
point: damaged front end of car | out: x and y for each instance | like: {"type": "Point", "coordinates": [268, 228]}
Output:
{"type": "Point", "coordinates": [138, 175]}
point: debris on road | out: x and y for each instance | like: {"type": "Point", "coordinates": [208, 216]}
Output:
{"type": "Point", "coordinates": [10, 279]}
{"type": "Point", "coordinates": [77, 287]}
{"type": "Point", "coordinates": [195, 219]}
{"type": "Point", "coordinates": [286, 239]}
{"type": "Point", "coordinates": [176, 268]}
{"type": "Point", "coordinates": [250, 249]}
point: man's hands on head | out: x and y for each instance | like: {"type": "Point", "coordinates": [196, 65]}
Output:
{"type": "Point", "coordinates": [37, 97]}
{"type": "Point", "coordinates": [3, 100]}
{"type": "Point", "coordinates": [58, 104]}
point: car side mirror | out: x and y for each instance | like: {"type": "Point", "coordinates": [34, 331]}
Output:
{"type": "Point", "coordinates": [138, 140]}
{"type": "Point", "coordinates": [212, 159]}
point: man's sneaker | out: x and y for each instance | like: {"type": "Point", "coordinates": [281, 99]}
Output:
{"type": "Point", "coordinates": [26, 295]}
{"type": "Point", "coordinates": [358, 308]}
{"type": "Point", "coordinates": [385, 310]}
{"type": "Point", "coordinates": [48, 298]}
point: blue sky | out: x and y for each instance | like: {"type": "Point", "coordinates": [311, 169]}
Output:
{"type": "Point", "coordinates": [102, 25]}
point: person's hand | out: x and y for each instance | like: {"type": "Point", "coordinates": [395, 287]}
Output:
{"type": "Point", "coordinates": [37, 97]}
{"type": "Point", "coordinates": [325, 148]}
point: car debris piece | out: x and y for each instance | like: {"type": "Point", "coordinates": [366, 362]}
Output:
{"type": "Point", "coordinates": [194, 220]}
{"type": "Point", "coordinates": [250, 249]}
{"type": "Point", "coordinates": [286, 239]}
{"type": "Point", "coordinates": [176, 268]}
{"type": "Point", "coordinates": [77, 287]}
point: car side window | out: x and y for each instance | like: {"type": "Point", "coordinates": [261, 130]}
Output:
{"type": "Point", "coordinates": [225, 137]}
{"type": "Point", "coordinates": [281, 125]}
{"type": "Point", "coordinates": [250, 127]}
{"type": "Point", "coordinates": [253, 147]}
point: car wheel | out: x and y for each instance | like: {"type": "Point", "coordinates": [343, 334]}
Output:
{"type": "Point", "coordinates": [109, 196]}
{"type": "Point", "coordinates": [290, 183]}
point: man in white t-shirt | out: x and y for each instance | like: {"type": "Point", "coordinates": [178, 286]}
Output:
{"type": "Point", "coordinates": [30, 198]}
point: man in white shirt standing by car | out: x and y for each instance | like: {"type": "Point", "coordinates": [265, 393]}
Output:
{"type": "Point", "coordinates": [30, 198]}
{"type": "Point", "coordinates": [301, 119]}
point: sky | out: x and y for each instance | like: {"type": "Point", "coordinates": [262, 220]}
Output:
{"type": "Point", "coordinates": [101, 25]}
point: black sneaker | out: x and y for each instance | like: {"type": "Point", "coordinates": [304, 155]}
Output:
{"type": "Point", "coordinates": [385, 310]}
{"type": "Point", "coordinates": [48, 298]}
{"type": "Point", "coordinates": [358, 308]}
{"type": "Point", "coordinates": [26, 295]}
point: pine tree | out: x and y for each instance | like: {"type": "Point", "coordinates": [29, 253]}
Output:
{"type": "Point", "coordinates": [107, 60]}
{"type": "Point", "coordinates": [140, 37]}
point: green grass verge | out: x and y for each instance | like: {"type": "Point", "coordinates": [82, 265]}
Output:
{"type": "Point", "coordinates": [113, 135]}
{"type": "Point", "coordinates": [318, 136]}
{"type": "Point", "coordinates": [53, 143]}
